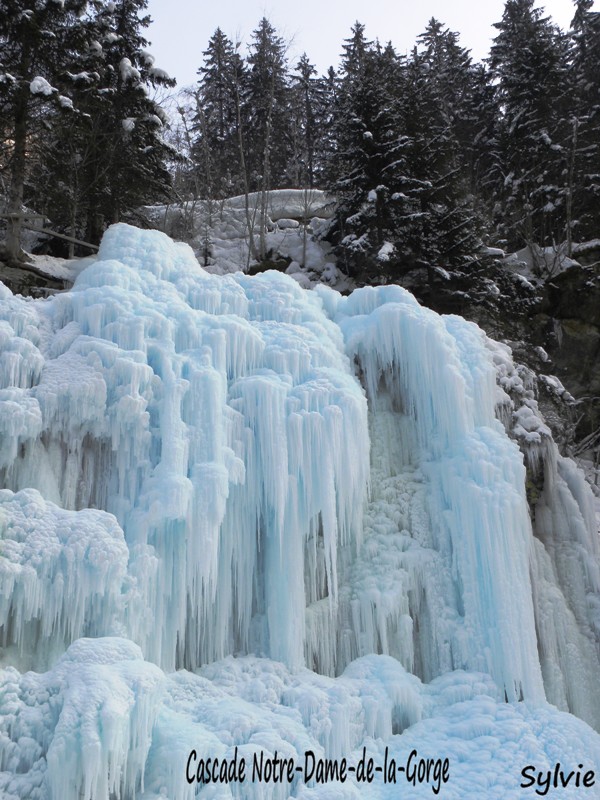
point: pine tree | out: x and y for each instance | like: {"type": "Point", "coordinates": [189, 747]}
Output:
{"type": "Point", "coordinates": [108, 156]}
{"type": "Point", "coordinates": [583, 140]}
{"type": "Point", "coordinates": [400, 168]}
{"type": "Point", "coordinates": [59, 186]}
{"type": "Point", "coordinates": [266, 115]}
{"type": "Point", "coordinates": [308, 118]}
{"type": "Point", "coordinates": [362, 130]}
{"type": "Point", "coordinates": [132, 122]}
{"type": "Point", "coordinates": [34, 49]}
{"type": "Point", "coordinates": [480, 142]}
{"type": "Point", "coordinates": [215, 120]}
{"type": "Point", "coordinates": [528, 62]}
{"type": "Point", "coordinates": [450, 101]}
{"type": "Point", "coordinates": [329, 104]}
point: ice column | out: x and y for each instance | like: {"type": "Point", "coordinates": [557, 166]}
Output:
{"type": "Point", "coordinates": [443, 377]}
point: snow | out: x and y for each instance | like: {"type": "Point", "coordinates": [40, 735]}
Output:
{"type": "Point", "coordinates": [542, 354]}
{"type": "Point", "coordinates": [240, 514]}
{"type": "Point", "coordinates": [287, 223]}
{"type": "Point", "coordinates": [128, 71]}
{"type": "Point", "coordinates": [86, 77]}
{"type": "Point", "coordinates": [540, 262]}
{"type": "Point", "coordinates": [288, 203]}
{"type": "Point", "coordinates": [56, 267]}
{"type": "Point", "coordinates": [493, 252]}
{"type": "Point", "coordinates": [40, 85]}
{"type": "Point", "coordinates": [159, 74]}
{"type": "Point", "coordinates": [386, 251]}
{"type": "Point", "coordinates": [585, 247]}
{"type": "Point", "coordinates": [554, 385]}
{"type": "Point", "coordinates": [218, 231]}
{"type": "Point", "coordinates": [146, 57]}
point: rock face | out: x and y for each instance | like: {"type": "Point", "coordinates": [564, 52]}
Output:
{"type": "Point", "coordinates": [570, 310]}
{"type": "Point", "coordinates": [587, 253]}
{"type": "Point", "coordinates": [30, 282]}
{"type": "Point", "coordinates": [553, 328]}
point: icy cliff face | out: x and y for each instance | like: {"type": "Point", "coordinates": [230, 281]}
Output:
{"type": "Point", "coordinates": [208, 466]}
{"type": "Point", "coordinates": [217, 419]}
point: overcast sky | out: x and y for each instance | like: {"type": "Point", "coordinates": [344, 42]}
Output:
{"type": "Point", "coordinates": [181, 28]}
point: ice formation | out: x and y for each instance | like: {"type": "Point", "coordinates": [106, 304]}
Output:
{"type": "Point", "coordinates": [238, 514]}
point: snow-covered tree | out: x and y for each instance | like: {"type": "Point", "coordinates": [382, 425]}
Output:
{"type": "Point", "coordinates": [444, 134]}
{"type": "Point", "coordinates": [401, 161]}
{"type": "Point", "coordinates": [108, 155]}
{"type": "Point", "coordinates": [308, 106]}
{"type": "Point", "coordinates": [130, 168]}
{"type": "Point", "coordinates": [266, 109]}
{"type": "Point", "coordinates": [528, 64]}
{"type": "Point", "coordinates": [216, 146]}
{"type": "Point", "coordinates": [363, 130]}
{"type": "Point", "coordinates": [36, 40]}
{"type": "Point", "coordinates": [583, 132]}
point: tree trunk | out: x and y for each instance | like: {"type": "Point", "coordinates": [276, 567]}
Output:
{"type": "Point", "coordinates": [570, 186]}
{"type": "Point", "coordinates": [17, 174]}
{"type": "Point", "coordinates": [266, 176]}
{"type": "Point", "coordinates": [252, 252]}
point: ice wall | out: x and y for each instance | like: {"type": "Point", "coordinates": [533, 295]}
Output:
{"type": "Point", "coordinates": [467, 560]}
{"type": "Point", "coordinates": [216, 418]}
{"type": "Point", "coordinates": [208, 466]}
{"type": "Point", "coordinates": [566, 549]}
{"type": "Point", "coordinates": [567, 558]}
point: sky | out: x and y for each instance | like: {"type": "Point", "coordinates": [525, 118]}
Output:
{"type": "Point", "coordinates": [182, 28]}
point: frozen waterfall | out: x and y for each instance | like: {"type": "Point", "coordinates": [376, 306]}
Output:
{"type": "Point", "coordinates": [306, 505]}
